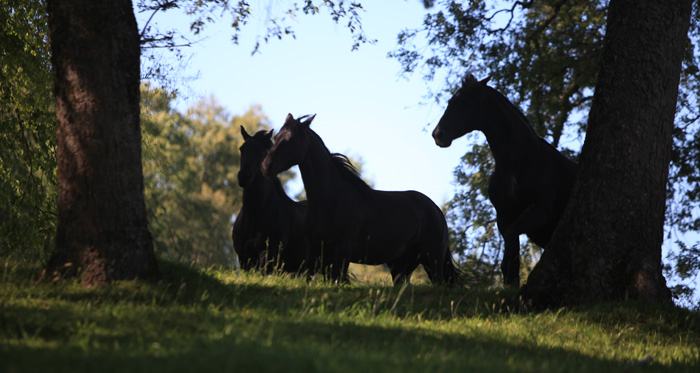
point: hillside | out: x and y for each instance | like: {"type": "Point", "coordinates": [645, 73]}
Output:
{"type": "Point", "coordinates": [220, 320]}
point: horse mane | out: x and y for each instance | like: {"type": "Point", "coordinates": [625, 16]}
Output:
{"type": "Point", "coordinates": [349, 171]}
{"type": "Point", "coordinates": [526, 122]}
{"type": "Point", "coordinates": [344, 166]}
{"type": "Point", "coordinates": [469, 79]}
{"type": "Point", "coordinates": [519, 113]}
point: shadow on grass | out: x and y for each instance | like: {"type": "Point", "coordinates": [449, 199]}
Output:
{"type": "Point", "coordinates": [192, 321]}
{"type": "Point", "coordinates": [309, 346]}
{"type": "Point", "coordinates": [182, 284]}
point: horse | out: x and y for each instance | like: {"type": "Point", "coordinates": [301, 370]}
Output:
{"type": "Point", "coordinates": [348, 221]}
{"type": "Point", "coordinates": [531, 182]}
{"type": "Point", "coordinates": [268, 230]}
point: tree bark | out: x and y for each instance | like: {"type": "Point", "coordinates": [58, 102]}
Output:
{"type": "Point", "coordinates": [608, 243]}
{"type": "Point", "coordinates": [102, 232]}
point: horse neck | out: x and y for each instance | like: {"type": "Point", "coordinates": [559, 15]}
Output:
{"type": "Point", "coordinates": [319, 173]}
{"type": "Point", "coordinates": [509, 135]}
{"type": "Point", "coordinates": [261, 193]}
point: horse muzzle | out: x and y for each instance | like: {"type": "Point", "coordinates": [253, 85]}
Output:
{"type": "Point", "coordinates": [441, 139]}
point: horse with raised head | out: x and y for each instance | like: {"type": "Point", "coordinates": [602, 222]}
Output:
{"type": "Point", "coordinates": [348, 221]}
{"type": "Point", "coordinates": [268, 231]}
{"type": "Point", "coordinates": [530, 185]}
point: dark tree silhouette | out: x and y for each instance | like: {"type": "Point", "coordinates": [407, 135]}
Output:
{"type": "Point", "coordinates": [608, 242]}
{"type": "Point", "coordinates": [102, 233]}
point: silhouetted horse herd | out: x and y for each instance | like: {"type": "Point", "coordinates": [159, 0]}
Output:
{"type": "Point", "coordinates": [344, 220]}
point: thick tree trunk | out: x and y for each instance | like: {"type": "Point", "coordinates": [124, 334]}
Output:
{"type": "Point", "coordinates": [102, 234]}
{"type": "Point", "coordinates": [608, 243]}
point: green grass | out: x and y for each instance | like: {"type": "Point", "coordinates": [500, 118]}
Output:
{"type": "Point", "coordinates": [223, 321]}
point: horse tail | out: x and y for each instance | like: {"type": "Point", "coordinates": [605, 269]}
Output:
{"type": "Point", "coordinates": [454, 275]}
{"type": "Point", "coordinates": [445, 270]}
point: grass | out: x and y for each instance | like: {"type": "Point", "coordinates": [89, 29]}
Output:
{"type": "Point", "coordinates": [226, 321]}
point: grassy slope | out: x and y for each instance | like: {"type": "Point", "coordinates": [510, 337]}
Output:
{"type": "Point", "coordinates": [223, 321]}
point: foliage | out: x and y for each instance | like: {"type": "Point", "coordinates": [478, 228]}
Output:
{"type": "Point", "coordinates": [687, 262]}
{"type": "Point", "coordinates": [27, 132]}
{"type": "Point", "coordinates": [190, 166]}
{"type": "Point", "coordinates": [544, 56]}
{"type": "Point", "coordinates": [226, 321]}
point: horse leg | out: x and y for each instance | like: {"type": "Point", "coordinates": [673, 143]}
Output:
{"type": "Point", "coordinates": [333, 265]}
{"type": "Point", "coordinates": [532, 217]}
{"type": "Point", "coordinates": [445, 271]}
{"type": "Point", "coordinates": [246, 262]}
{"type": "Point", "coordinates": [258, 253]}
{"type": "Point", "coordinates": [315, 262]}
{"type": "Point", "coordinates": [401, 271]}
{"type": "Point", "coordinates": [433, 268]}
{"type": "Point", "coordinates": [335, 269]}
{"type": "Point", "coordinates": [510, 265]}
{"type": "Point", "coordinates": [339, 272]}
{"type": "Point", "coordinates": [433, 262]}
{"type": "Point", "coordinates": [340, 262]}
{"type": "Point", "coordinates": [436, 256]}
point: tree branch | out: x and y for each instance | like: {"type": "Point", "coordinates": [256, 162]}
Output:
{"type": "Point", "coordinates": [548, 20]}
{"type": "Point", "coordinates": [523, 4]}
{"type": "Point", "coordinates": [165, 5]}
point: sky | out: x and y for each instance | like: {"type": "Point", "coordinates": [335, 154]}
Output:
{"type": "Point", "coordinates": [363, 107]}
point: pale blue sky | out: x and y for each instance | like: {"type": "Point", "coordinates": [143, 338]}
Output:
{"type": "Point", "coordinates": [364, 108]}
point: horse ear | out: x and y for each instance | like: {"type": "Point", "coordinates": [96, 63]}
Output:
{"type": "Point", "coordinates": [468, 78]}
{"type": "Point", "coordinates": [245, 134]}
{"type": "Point", "coordinates": [269, 134]}
{"type": "Point", "coordinates": [290, 118]}
{"type": "Point", "coordinates": [307, 122]}
{"type": "Point", "coordinates": [485, 80]}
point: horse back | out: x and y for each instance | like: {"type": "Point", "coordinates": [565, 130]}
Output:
{"type": "Point", "coordinates": [378, 226]}
{"type": "Point", "coordinates": [406, 216]}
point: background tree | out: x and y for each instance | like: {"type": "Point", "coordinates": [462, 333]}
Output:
{"type": "Point", "coordinates": [608, 243]}
{"type": "Point", "coordinates": [27, 132]}
{"type": "Point", "coordinates": [102, 233]}
{"type": "Point", "coordinates": [191, 161]}
{"type": "Point", "coordinates": [544, 55]}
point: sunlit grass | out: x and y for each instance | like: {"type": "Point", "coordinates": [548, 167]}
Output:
{"type": "Point", "coordinates": [379, 275]}
{"type": "Point", "coordinates": [232, 321]}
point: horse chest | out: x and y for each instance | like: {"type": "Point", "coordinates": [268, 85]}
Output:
{"type": "Point", "coordinates": [508, 194]}
{"type": "Point", "coordinates": [505, 186]}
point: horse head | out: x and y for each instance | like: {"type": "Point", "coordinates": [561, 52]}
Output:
{"type": "Point", "coordinates": [467, 102]}
{"type": "Point", "coordinates": [253, 151]}
{"type": "Point", "coordinates": [291, 143]}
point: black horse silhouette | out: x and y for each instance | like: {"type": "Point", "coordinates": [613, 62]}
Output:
{"type": "Point", "coordinates": [268, 231]}
{"type": "Point", "coordinates": [348, 221]}
{"type": "Point", "coordinates": [531, 182]}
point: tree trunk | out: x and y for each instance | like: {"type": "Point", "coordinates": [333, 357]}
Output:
{"type": "Point", "coordinates": [608, 243]}
{"type": "Point", "coordinates": [102, 232]}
